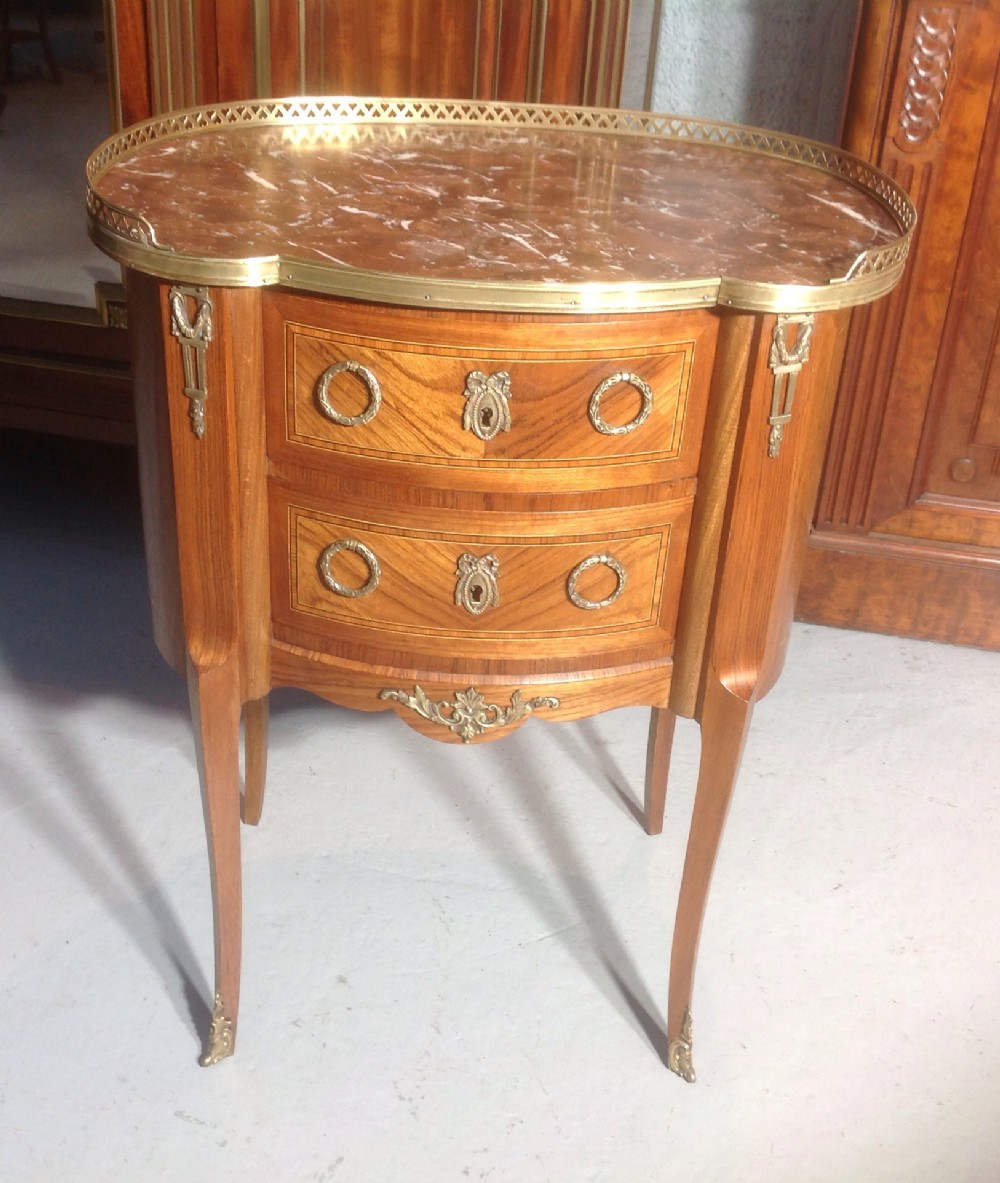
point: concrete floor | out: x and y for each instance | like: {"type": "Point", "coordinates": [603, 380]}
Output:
{"type": "Point", "coordinates": [456, 960]}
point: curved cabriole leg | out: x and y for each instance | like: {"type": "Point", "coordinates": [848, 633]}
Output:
{"type": "Point", "coordinates": [725, 721]}
{"type": "Point", "coordinates": [662, 722]}
{"type": "Point", "coordinates": [255, 717]}
{"type": "Point", "coordinates": [215, 713]}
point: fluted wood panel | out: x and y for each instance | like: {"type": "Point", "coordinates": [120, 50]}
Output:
{"type": "Point", "coordinates": [570, 51]}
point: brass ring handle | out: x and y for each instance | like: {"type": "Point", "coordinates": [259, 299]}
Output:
{"type": "Point", "coordinates": [334, 584]}
{"type": "Point", "coordinates": [366, 376]}
{"type": "Point", "coordinates": [594, 410]}
{"type": "Point", "coordinates": [594, 561]}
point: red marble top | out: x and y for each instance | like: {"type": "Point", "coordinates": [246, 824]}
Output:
{"type": "Point", "coordinates": [492, 204]}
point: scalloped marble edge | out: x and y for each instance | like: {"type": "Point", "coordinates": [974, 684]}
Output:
{"type": "Point", "coordinates": [131, 240]}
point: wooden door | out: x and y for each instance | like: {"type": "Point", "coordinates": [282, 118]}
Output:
{"type": "Point", "coordinates": [553, 51]}
{"type": "Point", "coordinates": [907, 531]}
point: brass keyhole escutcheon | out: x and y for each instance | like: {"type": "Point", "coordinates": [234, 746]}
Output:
{"type": "Point", "coordinates": [487, 404]}
{"type": "Point", "coordinates": [477, 588]}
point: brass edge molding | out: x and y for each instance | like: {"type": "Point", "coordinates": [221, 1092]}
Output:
{"type": "Point", "coordinates": [220, 1036]}
{"type": "Point", "coordinates": [468, 714]}
{"type": "Point", "coordinates": [132, 240]}
{"type": "Point", "coordinates": [679, 1051]}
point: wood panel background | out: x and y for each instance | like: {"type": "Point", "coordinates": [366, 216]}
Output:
{"type": "Point", "coordinates": [907, 529]}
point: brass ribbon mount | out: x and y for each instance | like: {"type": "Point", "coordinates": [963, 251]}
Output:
{"type": "Point", "coordinates": [194, 334]}
{"type": "Point", "coordinates": [788, 355]}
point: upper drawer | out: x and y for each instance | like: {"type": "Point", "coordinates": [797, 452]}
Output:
{"type": "Point", "coordinates": [461, 389]}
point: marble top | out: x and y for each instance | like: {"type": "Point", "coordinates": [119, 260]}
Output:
{"type": "Point", "coordinates": [470, 205]}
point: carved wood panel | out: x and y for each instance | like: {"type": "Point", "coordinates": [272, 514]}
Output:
{"type": "Point", "coordinates": [907, 526]}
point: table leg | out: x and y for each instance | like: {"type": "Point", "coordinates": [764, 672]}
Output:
{"type": "Point", "coordinates": [725, 722]}
{"type": "Point", "coordinates": [215, 713]}
{"type": "Point", "coordinates": [255, 718]}
{"type": "Point", "coordinates": [662, 722]}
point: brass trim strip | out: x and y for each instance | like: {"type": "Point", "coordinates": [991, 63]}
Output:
{"type": "Point", "coordinates": [131, 239]}
{"type": "Point", "coordinates": [588, 65]}
{"type": "Point", "coordinates": [479, 49]}
{"type": "Point", "coordinates": [262, 46]}
{"type": "Point", "coordinates": [497, 41]}
{"type": "Point", "coordinates": [302, 45]}
{"type": "Point", "coordinates": [153, 26]}
{"type": "Point", "coordinates": [111, 51]}
{"type": "Point", "coordinates": [536, 50]}
{"type": "Point", "coordinates": [194, 55]}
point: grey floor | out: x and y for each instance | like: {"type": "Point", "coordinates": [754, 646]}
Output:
{"type": "Point", "coordinates": [456, 960]}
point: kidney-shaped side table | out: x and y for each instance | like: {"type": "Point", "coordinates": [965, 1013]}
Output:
{"type": "Point", "coordinates": [480, 412]}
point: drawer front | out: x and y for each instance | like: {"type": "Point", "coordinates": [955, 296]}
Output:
{"type": "Point", "coordinates": [484, 592]}
{"type": "Point", "coordinates": [521, 395]}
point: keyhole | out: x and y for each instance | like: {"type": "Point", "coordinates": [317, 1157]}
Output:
{"type": "Point", "coordinates": [486, 416]}
{"type": "Point", "coordinates": [476, 593]}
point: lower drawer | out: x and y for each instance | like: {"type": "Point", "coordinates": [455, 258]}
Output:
{"type": "Point", "coordinates": [498, 587]}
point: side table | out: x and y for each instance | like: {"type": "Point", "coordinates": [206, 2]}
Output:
{"type": "Point", "coordinates": [479, 413]}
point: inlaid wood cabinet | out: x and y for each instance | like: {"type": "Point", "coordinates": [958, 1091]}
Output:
{"type": "Point", "coordinates": [907, 530]}
{"type": "Point", "coordinates": [482, 414]}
